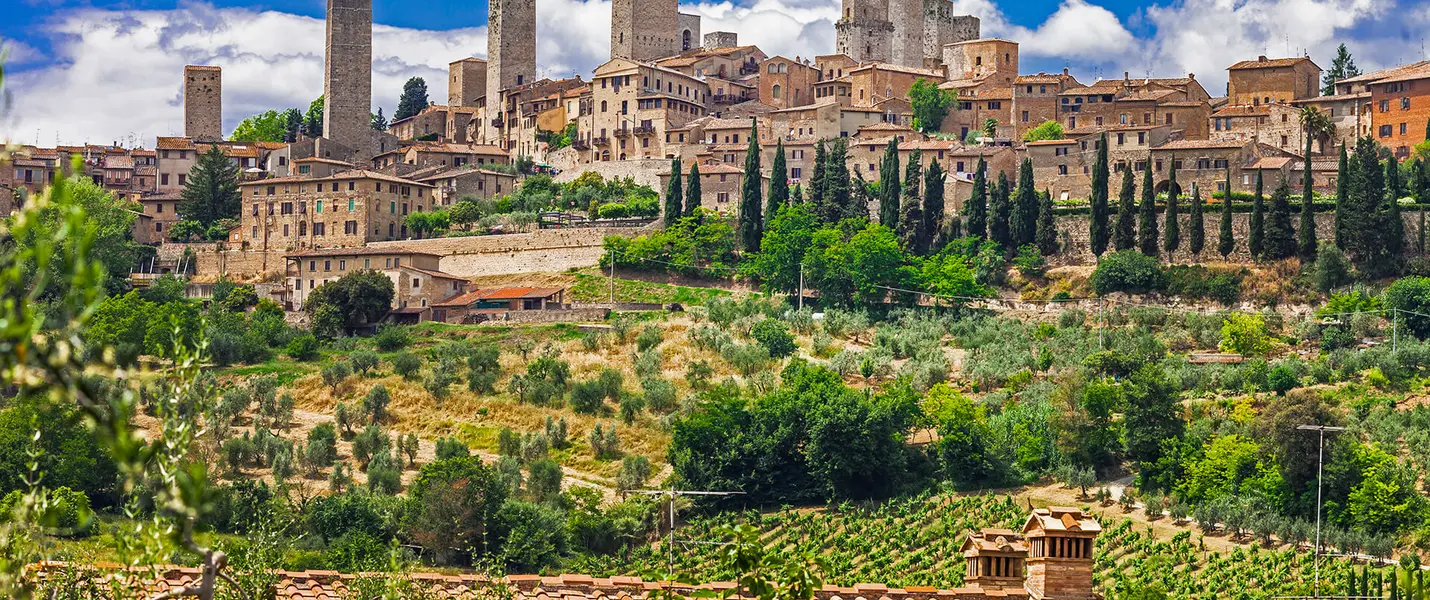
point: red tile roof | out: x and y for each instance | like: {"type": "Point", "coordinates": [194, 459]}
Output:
{"type": "Point", "coordinates": [1269, 63]}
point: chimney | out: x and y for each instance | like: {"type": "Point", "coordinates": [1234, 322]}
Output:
{"type": "Point", "coordinates": [1126, 76]}
{"type": "Point", "coordinates": [1192, 76]}
{"type": "Point", "coordinates": [1065, 71]}
{"type": "Point", "coordinates": [1261, 58]}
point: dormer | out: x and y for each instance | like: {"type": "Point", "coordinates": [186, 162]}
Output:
{"type": "Point", "coordinates": [1060, 552]}
{"type": "Point", "coordinates": [995, 558]}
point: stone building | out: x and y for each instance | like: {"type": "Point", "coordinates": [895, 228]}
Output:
{"type": "Point", "coordinates": [1350, 113]}
{"type": "Point", "coordinates": [721, 39]}
{"type": "Point", "coordinates": [178, 155]}
{"type": "Point", "coordinates": [1180, 102]}
{"type": "Point", "coordinates": [646, 30]}
{"type": "Point", "coordinates": [162, 211]}
{"type": "Point", "coordinates": [865, 32]}
{"type": "Point", "coordinates": [1277, 124]}
{"type": "Point", "coordinates": [511, 58]}
{"type": "Point", "coordinates": [1400, 109]}
{"type": "Point", "coordinates": [429, 124]}
{"type": "Point", "coordinates": [989, 60]}
{"type": "Point", "coordinates": [1059, 561]}
{"type": "Point", "coordinates": [787, 82]}
{"type": "Point", "coordinates": [942, 27]}
{"type": "Point", "coordinates": [347, 82]}
{"type": "Point", "coordinates": [203, 102]}
{"type": "Point", "coordinates": [467, 82]}
{"type": "Point", "coordinates": [1205, 163]}
{"type": "Point", "coordinates": [873, 83]}
{"type": "Point", "coordinates": [1064, 167]}
{"type": "Point", "coordinates": [345, 209]}
{"type": "Point", "coordinates": [452, 184]}
{"type": "Point", "coordinates": [515, 110]}
{"type": "Point", "coordinates": [732, 72]}
{"type": "Point", "coordinates": [416, 279]}
{"type": "Point", "coordinates": [719, 185]}
{"type": "Point", "coordinates": [1270, 80]}
{"type": "Point", "coordinates": [1035, 99]}
{"type": "Point", "coordinates": [909, 33]}
{"type": "Point", "coordinates": [634, 104]}
{"type": "Point", "coordinates": [421, 155]}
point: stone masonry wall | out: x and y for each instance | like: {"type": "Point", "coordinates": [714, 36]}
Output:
{"type": "Point", "coordinates": [1073, 235]}
{"type": "Point", "coordinates": [347, 83]}
{"type": "Point", "coordinates": [203, 103]}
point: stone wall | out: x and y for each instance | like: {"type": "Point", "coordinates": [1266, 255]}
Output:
{"type": "Point", "coordinates": [347, 85]}
{"type": "Point", "coordinates": [1073, 235]}
{"type": "Point", "coordinates": [646, 171]}
{"type": "Point", "coordinates": [551, 316]}
{"type": "Point", "coordinates": [203, 103]}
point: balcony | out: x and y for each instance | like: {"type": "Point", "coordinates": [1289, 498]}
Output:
{"type": "Point", "coordinates": [749, 69]}
{"type": "Point", "coordinates": [621, 132]}
{"type": "Point", "coordinates": [580, 145]}
{"type": "Point", "coordinates": [498, 123]}
{"type": "Point", "coordinates": [645, 130]}
{"type": "Point", "coordinates": [600, 141]}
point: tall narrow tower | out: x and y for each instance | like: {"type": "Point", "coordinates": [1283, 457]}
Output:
{"type": "Point", "coordinates": [864, 32]}
{"type": "Point", "coordinates": [511, 57]}
{"type": "Point", "coordinates": [347, 84]}
{"type": "Point", "coordinates": [203, 103]}
{"type": "Point", "coordinates": [907, 47]}
{"type": "Point", "coordinates": [646, 30]}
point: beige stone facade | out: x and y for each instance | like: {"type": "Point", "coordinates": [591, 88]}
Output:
{"type": "Point", "coordinates": [1277, 124]}
{"type": "Point", "coordinates": [431, 154]}
{"type": "Point", "coordinates": [1272, 80]}
{"type": "Point", "coordinates": [1035, 99]}
{"type": "Point", "coordinates": [1179, 102]}
{"type": "Point", "coordinates": [347, 209]}
{"type": "Point", "coordinates": [511, 58]}
{"type": "Point", "coordinates": [786, 82]}
{"type": "Point", "coordinates": [203, 102]}
{"type": "Point", "coordinates": [417, 282]}
{"type": "Point", "coordinates": [865, 31]}
{"type": "Point", "coordinates": [634, 104]}
{"type": "Point", "coordinates": [466, 82]}
{"type": "Point", "coordinates": [429, 124]}
{"type": "Point", "coordinates": [646, 30]}
{"type": "Point", "coordinates": [452, 184]}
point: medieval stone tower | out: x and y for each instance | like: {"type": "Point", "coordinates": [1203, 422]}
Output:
{"type": "Point", "coordinates": [907, 48]}
{"type": "Point", "coordinates": [511, 56]}
{"type": "Point", "coordinates": [203, 103]}
{"type": "Point", "coordinates": [864, 32]}
{"type": "Point", "coordinates": [645, 30]}
{"type": "Point", "coordinates": [467, 81]}
{"type": "Point", "coordinates": [942, 27]}
{"type": "Point", "coordinates": [347, 86]}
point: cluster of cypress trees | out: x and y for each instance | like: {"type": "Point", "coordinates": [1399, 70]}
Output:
{"type": "Point", "coordinates": [914, 207]}
{"type": "Point", "coordinates": [1014, 217]}
{"type": "Point", "coordinates": [1373, 584]}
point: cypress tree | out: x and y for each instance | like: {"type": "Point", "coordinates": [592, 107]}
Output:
{"type": "Point", "coordinates": [1365, 192]}
{"type": "Point", "coordinates": [1126, 238]}
{"type": "Point", "coordinates": [211, 192]}
{"type": "Point", "coordinates": [1256, 240]}
{"type": "Point", "coordinates": [1097, 225]}
{"type": "Point", "coordinates": [998, 210]}
{"type": "Point", "coordinates": [911, 221]}
{"type": "Point", "coordinates": [796, 196]}
{"type": "Point", "coordinates": [779, 184]}
{"type": "Point", "coordinates": [1343, 179]}
{"type": "Point", "coordinates": [889, 185]}
{"type": "Point", "coordinates": [1392, 224]}
{"type": "Point", "coordinates": [1306, 240]}
{"type": "Point", "coordinates": [1023, 221]}
{"type": "Point", "coordinates": [1196, 228]}
{"type": "Point", "coordinates": [1147, 215]}
{"type": "Point", "coordinates": [1420, 241]}
{"type": "Point", "coordinates": [1225, 242]}
{"type": "Point", "coordinates": [1047, 236]}
{"type": "Point", "coordinates": [1172, 236]}
{"type": "Point", "coordinates": [692, 189]}
{"type": "Point", "coordinates": [977, 208]}
{"type": "Point", "coordinates": [751, 221]}
{"type": "Point", "coordinates": [1394, 589]}
{"type": "Point", "coordinates": [934, 205]}
{"type": "Point", "coordinates": [1352, 589]}
{"type": "Point", "coordinates": [816, 179]}
{"type": "Point", "coordinates": [673, 194]}
{"type": "Point", "coordinates": [1278, 240]}
{"type": "Point", "coordinates": [838, 195]}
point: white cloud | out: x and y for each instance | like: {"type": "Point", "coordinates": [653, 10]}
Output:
{"type": "Point", "coordinates": [118, 73]}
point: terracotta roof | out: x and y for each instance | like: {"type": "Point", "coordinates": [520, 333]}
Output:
{"type": "Point", "coordinates": [319, 159]}
{"type": "Point", "coordinates": [245, 150]}
{"type": "Point", "coordinates": [349, 174]}
{"type": "Point", "coordinates": [174, 143]}
{"type": "Point", "coordinates": [459, 148]}
{"type": "Point", "coordinates": [1052, 142]}
{"type": "Point", "coordinates": [445, 171]}
{"type": "Point", "coordinates": [692, 57]}
{"type": "Point", "coordinates": [1200, 145]}
{"type": "Point", "coordinates": [1188, 104]}
{"type": "Point", "coordinates": [142, 152]}
{"type": "Point", "coordinates": [1041, 78]}
{"type": "Point", "coordinates": [721, 169]}
{"type": "Point", "coordinates": [1269, 63]}
{"type": "Point", "coordinates": [364, 251]}
{"type": "Point", "coordinates": [994, 539]}
{"type": "Point", "coordinates": [930, 145]}
{"type": "Point", "coordinates": [431, 273]}
{"type": "Point", "coordinates": [1061, 518]}
{"type": "Point", "coordinates": [885, 127]}
{"type": "Point", "coordinates": [515, 293]}
{"type": "Point", "coordinates": [1271, 163]}
{"type": "Point", "coordinates": [1243, 110]}
{"type": "Point", "coordinates": [1409, 74]}
{"type": "Point", "coordinates": [897, 69]}
{"type": "Point", "coordinates": [118, 162]}
{"type": "Point", "coordinates": [1384, 73]}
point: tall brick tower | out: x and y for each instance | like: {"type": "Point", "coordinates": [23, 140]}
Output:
{"type": "Point", "coordinates": [347, 86]}
{"type": "Point", "coordinates": [907, 46]}
{"type": "Point", "coordinates": [511, 55]}
{"type": "Point", "coordinates": [203, 103]}
{"type": "Point", "coordinates": [646, 30]}
{"type": "Point", "coordinates": [864, 31]}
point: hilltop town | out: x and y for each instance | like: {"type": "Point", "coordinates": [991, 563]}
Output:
{"type": "Point", "coordinates": [902, 322]}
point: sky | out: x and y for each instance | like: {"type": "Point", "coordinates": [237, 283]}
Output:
{"type": "Point", "coordinates": [103, 72]}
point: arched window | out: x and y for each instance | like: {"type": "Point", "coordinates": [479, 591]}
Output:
{"type": "Point", "coordinates": [302, 228]}
{"type": "Point", "coordinates": [603, 106]}
{"type": "Point", "coordinates": [775, 91]}
{"type": "Point", "coordinates": [685, 40]}
{"type": "Point", "coordinates": [605, 155]}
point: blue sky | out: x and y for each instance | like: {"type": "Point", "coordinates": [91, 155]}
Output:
{"type": "Point", "coordinates": [89, 70]}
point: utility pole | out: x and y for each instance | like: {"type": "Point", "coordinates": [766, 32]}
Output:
{"type": "Point", "coordinates": [1320, 459]}
{"type": "Point", "coordinates": [801, 286]}
{"type": "Point", "coordinates": [612, 279]}
{"type": "Point", "coordinates": [671, 494]}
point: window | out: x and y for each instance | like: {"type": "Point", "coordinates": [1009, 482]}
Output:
{"type": "Point", "coordinates": [182, 177]}
{"type": "Point", "coordinates": [163, 178]}
{"type": "Point", "coordinates": [1062, 169]}
{"type": "Point", "coordinates": [1402, 132]}
{"type": "Point", "coordinates": [342, 265]}
{"type": "Point", "coordinates": [1024, 117]}
{"type": "Point", "coordinates": [1404, 103]}
{"type": "Point", "coordinates": [1121, 138]}
{"type": "Point", "coordinates": [327, 265]}
{"type": "Point", "coordinates": [1141, 137]}
{"type": "Point", "coordinates": [995, 105]}
{"type": "Point", "coordinates": [1384, 106]}
{"type": "Point", "coordinates": [1384, 131]}
{"type": "Point", "coordinates": [795, 173]}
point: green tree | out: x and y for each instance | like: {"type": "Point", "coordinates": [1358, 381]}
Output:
{"type": "Point", "coordinates": [782, 250]}
{"type": "Point", "coordinates": [413, 100]}
{"type": "Point", "coordinates": [1306, 241]}
{"type": "Point", "coordinates": [855, 269]}
{"type": "Point", "coordinates": [911, 221]}
{"type": "Point", "coordinates": [1047, 234]}
{"type": "Point", "coordinates": [1343, 180]}
{"type": "Point", "coordinates": [361, 297]}
{"type": "Point", "coordinates": [673, 195]}
{"type": "Point", "coordinates": [976, 211]}
{"type": "Point", "coordinates": [1196, 227]}
{"type": "Point", "coordinates": [1391, 226]}
{"type": "Point", "coordinates": [779, 184]}
{"type": "Point", "coordinates": [1023, 218]}
{"type": "Point", "coordinates": [816, 179]}
{"type": "Point", "coordinates": [1256, 238]}
{"type": "Point", "coordinates": [379, 122]}
{"type": "Point", "coordinates": [1147, 215]}
{"type": "Point", "coordinates": [889, 190]}
{"type": "Point", "coordinates": [934, 205]}
{"type": "Point", "coordinates": [692, 190]}
{"type": "Point", "coordinates": [998, 214]}
{"type": "Point", "coordinates": [1152, 417]}
{"type": "Point", "coordinates": [930, 104]}
{"type": "Point", "coordinates": [211, 192]}
{"type": "Point", "coordinates": [752, 223]}
{"type": "Point", "coordinates": [838, 191]}
{"type": "Point", "coordinates": [268, 126]}
{"type": "Point", "coordinates": [313, 119]}
{"type": "Point", "coordinates": [1278, 238]}
{"type": "Point", "coordinates": [1172, 236]}
{"type": "Point", "coordinates": [1226, 243]}
{"type": "Point", "coordinates": [1342, 67]}
{"type": "Point", "coordinates": [452, 505]}
{"type": "Point", "coordinates": [292, 125]}
{"type": "Point", "coordinates": [1098, 216]}
{"type": "Point", "coordinates": [1126, 237]}
{"type": "Point", "coordinates": [1047, 130]}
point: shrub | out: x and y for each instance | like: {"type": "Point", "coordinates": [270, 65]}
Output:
{"type": "Point", "coordinates": [1332, 268]}
{"type": "Point", "coordinates": [659, 394]}
{"type": "Point", "coordinates": [635, 471]}
{"type": "Point", "coordinates": [1127, 271]}
{"type": "Point", "coordinates": [605, 444]}
{"type": "Point", "coordinates": [384, 477]}
{"type": "Point", "coordinates": [334, 375]}
{"type": "Point", "coordinates": [369, 444]}
{"type": "Point", "coordinates": [631, 407]}
{"type": "Point", "coordinates": [437, 382]}
{"type": "Point", "coordinates": [556, 433]}
{"type": "Point", "coordinates": [587, 397]}
{"type": "Point", "coordinates": [1196, 281]}
{"type": "Point", "coordinates": [611, 381]}
{"type": "Point", "coordinates": [1245, 335]}
{"type": "Point", "coordinates": [391, 337]}
{"type": "Point", "coordinates": [406, 365]}
{"type": "Point", "coordinates": [363, 361]}
{"type": "Point", "coordinates": [648, 338]}
{"type": "Point", "coordinates": [544, 482]}
{"type": "Point", "coordinates": [375, 403]}
{"type": "Point", "coordinates": [1411, 294]}
{"type": "Point", "coordinates": [648, 364]}
{"type": "Point", "coordinates": [322, 447]}
{"type": "Point", "coordinates": [775, 336]}
{"type": "Point", "coordinates": [450, 447]}
{"type": "Point", "coordinates": [303, 348]}
{"type": "Point", "coordinates": [1030, 262]}
{"type": "Point", "coordinates": [1282, 379]}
